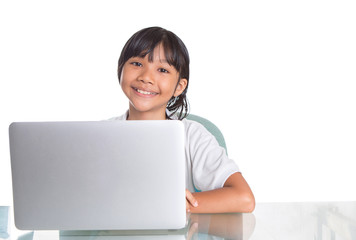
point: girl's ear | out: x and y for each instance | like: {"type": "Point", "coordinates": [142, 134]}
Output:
{"type": "Point", "coordinates": [180, 87]}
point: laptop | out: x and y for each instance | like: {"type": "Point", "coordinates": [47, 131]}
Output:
{"type": "Point", "coordinates": [99, 175]}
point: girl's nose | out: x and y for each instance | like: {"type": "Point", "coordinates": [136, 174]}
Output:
{"type": "Point", "coordinates": [146, 76]}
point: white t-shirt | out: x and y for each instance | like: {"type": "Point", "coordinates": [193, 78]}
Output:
{"type": "Point", "coordinates": [207, 165]}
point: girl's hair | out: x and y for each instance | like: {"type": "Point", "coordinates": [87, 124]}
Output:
{"type": "Point", "coordinates": [144, 42]}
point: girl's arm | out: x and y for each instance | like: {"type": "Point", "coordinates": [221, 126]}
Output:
{"type": "Point", "coordinates": [234, 196]}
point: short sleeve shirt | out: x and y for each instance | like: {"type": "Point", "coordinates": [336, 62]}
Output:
{"type": "Point", "coordinates": [207, 164]}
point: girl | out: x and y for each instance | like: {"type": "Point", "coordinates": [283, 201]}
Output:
{"type": "Point", "coordinates": [153, 71]}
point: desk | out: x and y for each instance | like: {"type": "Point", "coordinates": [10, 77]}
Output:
{"type": "Point", "coordinates": [270, 221]}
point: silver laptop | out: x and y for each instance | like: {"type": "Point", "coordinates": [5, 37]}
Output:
{"type": "Point", "coordinates": [105, 175]}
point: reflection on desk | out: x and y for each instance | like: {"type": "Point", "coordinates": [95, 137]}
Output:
{"type": "Point", "coordinates": [201, 226]}
{"type": "Point", "coordinates": [318, 221]}
{"type": "Point", "coordinates": [270, 221]}
{"type": "Point", "coordinates": [4, 222]}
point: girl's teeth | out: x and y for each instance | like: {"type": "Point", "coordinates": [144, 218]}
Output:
{"type": "Point", "coordinates": [144, 92]}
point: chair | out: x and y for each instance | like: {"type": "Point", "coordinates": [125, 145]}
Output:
{"type": "Point", "coordinates": [211, 127]}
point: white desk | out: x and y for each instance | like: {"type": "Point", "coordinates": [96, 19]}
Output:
{"type": "Point", "coordinates": [270, 221]}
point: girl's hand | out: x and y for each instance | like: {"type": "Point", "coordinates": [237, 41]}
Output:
{"type": "Point", "coordinates": [190, 200]}
{"type": "Point", "coordinates": [192, 231]}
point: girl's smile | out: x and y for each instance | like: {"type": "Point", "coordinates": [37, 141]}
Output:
{"type": "Point", "coordinates": [144, 93]}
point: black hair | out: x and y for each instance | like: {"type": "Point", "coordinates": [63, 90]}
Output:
{"type": "Point", "coordinates": [144, 42]}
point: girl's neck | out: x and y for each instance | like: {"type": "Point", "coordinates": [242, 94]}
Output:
{"type": "Point", "coordinates": [136, 115]}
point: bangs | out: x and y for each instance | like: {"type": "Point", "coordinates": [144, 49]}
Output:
{"type": "Point", "coordinates": [169, 54]}
{"type": "Point", "coordinates": [145, 47]}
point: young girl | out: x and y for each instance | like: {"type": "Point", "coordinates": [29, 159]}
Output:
{"type": "Point", "coordinates": [153, 71]}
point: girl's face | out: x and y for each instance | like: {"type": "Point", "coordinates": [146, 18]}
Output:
{"type": "Point", "coordinates": [150, 85]}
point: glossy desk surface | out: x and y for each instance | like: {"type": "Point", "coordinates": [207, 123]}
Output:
{"type": "Point", "coordinates": [325, 220]}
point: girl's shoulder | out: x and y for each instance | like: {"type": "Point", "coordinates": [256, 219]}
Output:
{"type": "Point", "coordinates": [194, 128]}
{"type": "Point", "coordinates": [202, 130]}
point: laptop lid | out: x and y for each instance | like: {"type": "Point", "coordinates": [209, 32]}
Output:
{"type": "Point", "coordinates": [104, 175]}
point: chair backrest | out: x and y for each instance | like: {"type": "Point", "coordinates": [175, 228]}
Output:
{"type": "Point", "coordinates": [211, 127]}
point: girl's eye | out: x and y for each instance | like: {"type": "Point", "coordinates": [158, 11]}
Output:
{"type": "Point", "coordinates": [162, 70]}
{"type": "Point", "coordinates": [137, 64]}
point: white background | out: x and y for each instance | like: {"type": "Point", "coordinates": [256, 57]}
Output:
{"type": "Point", "coordinates": [277, 77]}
